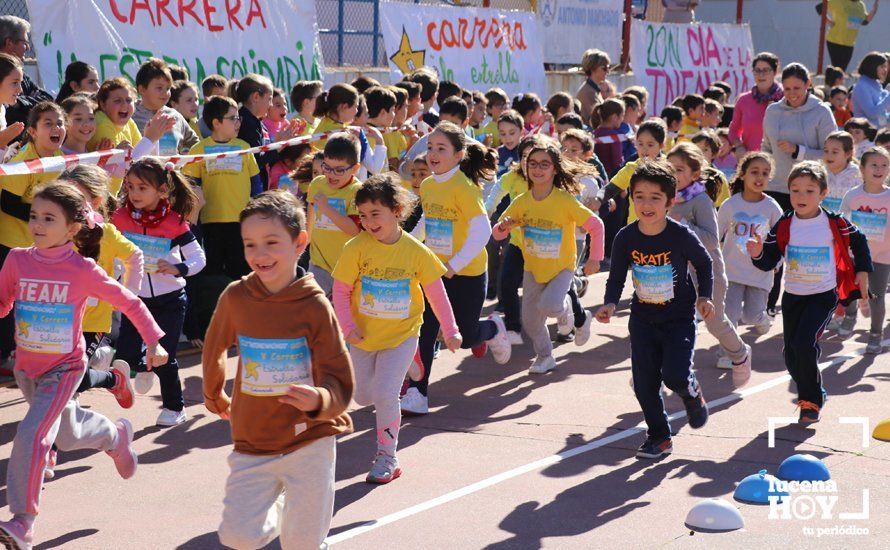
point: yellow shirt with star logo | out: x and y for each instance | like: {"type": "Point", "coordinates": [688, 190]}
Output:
{"type": "Point", "coordinates": [326, 240]}
{"type": "Point", "coordinates": [548, 231]}
{"type": "Point", "coordinates": [448, 208]}
{"type": "Point", "coordinates": [225, 181]}
{"type": "Point", "coordinates": [387, 300]}
{"type": "Point", "coordinates": [13, 231]}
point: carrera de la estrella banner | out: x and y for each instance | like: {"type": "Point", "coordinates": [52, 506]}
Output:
{"type": "Point", "coordinates": [477, 48]}
{"type": "Point", "coordinates": [274, 38]}
{"type": "Point", "coordinates": [672, 60]}
{"type": "Point", "coordinates": [569, 27]}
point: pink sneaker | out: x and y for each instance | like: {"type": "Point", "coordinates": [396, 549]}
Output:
{"type": "Point", "coordinates": [123, 388]}
{"type": "Point", "coordinates": [50, 471]}
{"type": "Point", "coordinates": [125, 459]}
{"type": "Point", "coordinates": [16, 534]}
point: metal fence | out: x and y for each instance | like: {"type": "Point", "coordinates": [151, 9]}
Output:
{"type": "Point", "coordinates": [14, 7]}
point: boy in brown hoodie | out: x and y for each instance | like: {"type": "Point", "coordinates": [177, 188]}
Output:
{"type": "Point", "coordinates": [292, 387]}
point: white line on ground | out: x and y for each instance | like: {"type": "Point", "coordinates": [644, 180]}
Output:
{"type": "Point", "coordinates": [563, 455]}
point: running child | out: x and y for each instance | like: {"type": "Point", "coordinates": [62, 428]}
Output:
{"type": "Point", "coordinates": [547, 216]}
{"type": "Point", "coordinates": [284, 414]}
{"type": "Point", "coordinates": [49, 284]}
{"type": "Point", "coordinates": [821, 272]}
{"type": "Point", "coordinates": [657, 250]}
{"type": "Point", "coordinates": [380, 305]}
{"type": "Point", "coordinates": [154, 217]}
{"type": "Point", "coordinates": [748, 212]}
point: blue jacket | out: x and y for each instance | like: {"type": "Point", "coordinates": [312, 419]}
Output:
{"type": "Point", "coordinates": [871, 101]}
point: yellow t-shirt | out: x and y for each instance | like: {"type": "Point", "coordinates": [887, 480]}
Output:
{"type": "Point", "coordinates": [13, 231]}
{"type": "Point", "coordinates": [622, 181]}
{"type": "Point", "coordinates": [396, 144]}
{"type": "Point", "coordinates": [548, 231]}
{"type": "Point", "coordinates": [448, 208]}
{"type": "Point", "coordinates": [225, 181]}
{"type": "Point", "coordinates": [326, 240]}
{"type": "Point", "coordinates": [195, 126]}
{"type": "Point", "coordinates": [491, 129]}
{"type": "Point", "coordinates": [116, 134]}
{"type": "Point", "coordinates": [688, 129]}
{"type": "Point", "coordinates": [97, 318]}
{"type": "Point", "coordinates": [326, 125]}
{"type": "Point", "coordinates": [387, 300]}
{"type": "Point", "coordinates": [514, 185]}
{"type": "Point", "coordinates": [848, 18]}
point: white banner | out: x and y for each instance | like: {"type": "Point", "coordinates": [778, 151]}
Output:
{"type": "Point", "coordinates": [477, 48]}
{"type": "Point", "coordinates": [569, 27]}
{"type": "Point", "coordinates": [673, 60]}
{"type": "Point", "coordinates": [274, 38]}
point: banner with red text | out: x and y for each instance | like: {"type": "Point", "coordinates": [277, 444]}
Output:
{"type": "Point", "coordinates": [477, 48]}
{"type": "Point", "coordinates": [274, 38]}
{"type": "Point", "coordinates": [673, 60]}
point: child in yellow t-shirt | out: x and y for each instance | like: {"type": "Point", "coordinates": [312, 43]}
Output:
{"type": "Point", "coordinates": [380, 306]}
{"type": "Point", "coordinates": [228, 183]}
{"type": "Point", "coordinates": [548, 215]}
{"type": "Point", "coordinates": [333, 218]}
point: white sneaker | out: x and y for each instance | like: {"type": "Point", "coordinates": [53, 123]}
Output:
{"type": "Point", "coordinates": [566, 320]}
{"type": "Point", "coordinates": [515, 338]}
{"type": "Point", "coordinates": [724, 362]}
{"type": "Point", "coordinates": [582, 333]}
{"type": "Point", "coordinates": [763, 328]}
{"type": "Point", "coordinates": [500, 345]}
{"type": "Point", "coordinates": [101, 359]}
{"type": "Point", "coordinates": [143, 383]}
{"type": "Point", "coordinates": [741, 373]}
{"type": "Point", "coordinates": [414, 402]}
{"type": "Point", "coordinates": [171, 418]}
{"type": "Point", "coordinates": [835, 322]}
{"type": "Point", "coordinates": [542, 365]}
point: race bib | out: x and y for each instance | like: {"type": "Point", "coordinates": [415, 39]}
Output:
{"type": "Point", "coordinates": [654, 284]}
{"type": "Point", "coordinates": [872, 224]}
{"type": "Point", "coordinates": [228, 164]}
{"type": "Point", "coordinates": [44, 328]}
{"type": "Point", "coordinates": [168, 145]}
{"type": "Point", "coordinates": [324, 222]}
{"type": "Point", "coordinates": [440, 236]}
{"type": "Point", "coordinates": [808, 264]}
{"type": "Point", "coordinates": [270, 366]}
{"type": "Point", "coordinates": [832, 204]}
{"type": "Point", "coordinates": [385, 299]}
{"type": "Point", "coordinates": [288, 184]}
{"type": "Point", "coordinates": [153, 249]}
{"type": "Point", "coordinates": [542, 243]}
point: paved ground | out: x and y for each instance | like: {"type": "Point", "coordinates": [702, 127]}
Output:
{"type": "Point", "coordinates": [506, 460]}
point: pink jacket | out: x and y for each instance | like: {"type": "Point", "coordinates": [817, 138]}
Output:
{"type": "Point", "coordinates": [49, 289]}
{"type": "Point", "coordinates": [747, 122]}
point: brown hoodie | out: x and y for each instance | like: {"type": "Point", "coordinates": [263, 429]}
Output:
{"type": "Point", "coordinates": [246, 311]}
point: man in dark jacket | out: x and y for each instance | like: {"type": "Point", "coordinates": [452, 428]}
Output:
{"type": "Point", "coordinates": [14, 41]}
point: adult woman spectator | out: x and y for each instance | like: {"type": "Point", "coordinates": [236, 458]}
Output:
{"type": "Point", "coordinates": [595, 65]}
{"type": "Point", "coordinates": [845, 17]}
{"type": "Point", "coordinates": [870, 99]}
{"type": "Point", "coordinates": [746, 128]}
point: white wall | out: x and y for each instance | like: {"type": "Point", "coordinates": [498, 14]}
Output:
{"type": "Point", "coordinates": [790, 28]}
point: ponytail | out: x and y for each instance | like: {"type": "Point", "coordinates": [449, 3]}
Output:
{"type": "Point", "coordinates": [87, 241]}
{"type": "Point", "coordinates": [164, 177]}
{"type": "Point", "coordinates": [329, 101]}
{"type": "Point", "coordinates": [480, 163]}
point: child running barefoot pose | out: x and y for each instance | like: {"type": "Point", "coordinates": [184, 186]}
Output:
{"type": "Point", "coordinates": [658, 251]}
{"type": "Point", "coordinates": [867, 207]}
{"type": "Point", "coordinates": [457, 228]}
{"type": "Point", "coordinates": [547, 216]}
{"type": "Point", "coordinates": [816, 245]}
{"type": "Point", "coordinates": [159, 200]}
{"type": "Point", "coordinates": [379, 303]}
{"type": "Point", "coordinates": [747, 212]}
{"type": "Point", "coordinates": [49, 285]}
{"type": "Point", "coordinates": [694, 208]}
{"type": "Point", "coordinates": [293, 384]}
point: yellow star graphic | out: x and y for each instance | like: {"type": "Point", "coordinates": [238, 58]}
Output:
{"type": "Point", "coordinates": [407, 59]}
{"type": "Point", "coordinates": [251, 368]}
{"type": "Point", "coordinates": [23, 328]}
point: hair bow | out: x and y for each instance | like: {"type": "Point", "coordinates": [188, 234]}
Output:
{"type": "Point", "coordinates": [91, 217]}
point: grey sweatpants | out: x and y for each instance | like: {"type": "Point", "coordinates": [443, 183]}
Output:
{"type": "Point", "coordinates": [746, 304]}
{"type": "Point", "coordinates": [719, 326]}
{"type": "Point", "coordinates": [54, 415]}
{"type": "Point", "coordinates": [324, 279]}
{"type": "Point", "coordinates": [378, 379]}
{"type": "Point", "coordinates": [877, 284]}
{"type": "Point", "coordinates": [540, 301]}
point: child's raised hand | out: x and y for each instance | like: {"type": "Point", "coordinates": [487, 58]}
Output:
{"type": "Point", "coordinates": [591, 266]}
{"type": "Point", "coordinates": [355, 337]}
{"type": "Point", "coordinates": [705, 308]}
{"type": "Point", "coordinates": [605, 312]}
{"type": "Point", "coordinates": [105, 144]}
{"type": "Point", "coordinates": [454, 342]}
{"type": "Point", "coordinates": [303, 397]}
{"type": "Point", "coordinates": [167, 268]}
{"type": "Point", "coordinates": [160, 124]}
{"type": "Point", "coordinates": [10, 133]}
{"type": "Point", "coordinates": [155, 356]}
{"type": "Point", "coordinates": [755, 246]}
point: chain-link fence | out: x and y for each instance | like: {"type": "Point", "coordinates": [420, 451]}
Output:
{"type": "Point", "coordinates": [14, 7]}
{"type": "Point", "coordinates": [349, 30]}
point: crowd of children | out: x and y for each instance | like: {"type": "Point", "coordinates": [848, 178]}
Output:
{"type": "Point", "coordinates": [376, 241]}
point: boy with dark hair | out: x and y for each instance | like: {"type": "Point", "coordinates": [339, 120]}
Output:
{"type": "Point", "coordinates": [448, 89]}
{"type": "Point", "coordinates": [153, 82]}
{"type": "Point", "coordinates": [657, 250]}
{"type": "Point", "coordinates": [497, 102]}
{"type": "Point", "coordinates": [673, 118]}
{"type": "Point", "coordinates": [693, 108]}
{"type": "Point", "coordinates": [429, 90]}
{"type": "Point", "coordinates": [413, 90]}
{"type": "Point", "coordinates": [569, 121]}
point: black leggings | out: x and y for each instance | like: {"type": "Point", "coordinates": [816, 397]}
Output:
{"type": "Point", "coordinates": [840, 55]}
{"type": "Point", "coordinates": [93, 378]}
